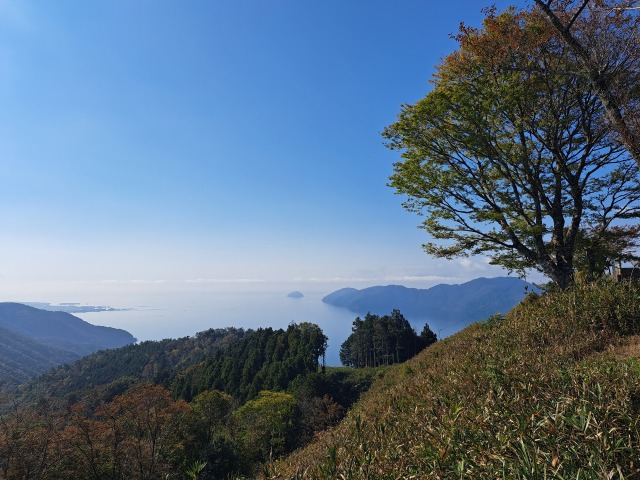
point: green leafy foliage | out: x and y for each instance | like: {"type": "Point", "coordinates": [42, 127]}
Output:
{"type": "Point", "coordinates": [550, 389]}
{"type": "Point", "coordinates": [377, 341]}
{"type": "Point", "coordinates": [114, 415]}
{"type": "Point", "coordinates": [268, 424]}
{"type": "Point", "coordinates": [508, 158]}
{"type": "Point", "coordinates": [209, 438]}
{"type": "Point", "coordinates": [239, 362]}
{"type": "Point", "coordinates": [155, 361]}
{"type": "Point", "coordinates": [265, 359]}
{"type": "Point", "coordinates": [345, 385]}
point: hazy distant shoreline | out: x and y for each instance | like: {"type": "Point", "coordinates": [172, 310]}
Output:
{"type": "Point", "coordinates": [73, 307]}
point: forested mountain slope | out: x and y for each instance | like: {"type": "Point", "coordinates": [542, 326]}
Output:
{"type": "Point", "coordinates": [22, 358]}
{"type": "Point", "coordinates": [217, 405]}
{"type": "Point", "coordinates": [236, 361]}
{"type": "Point", "coordinates": [61, 330]}
{"type": "Point", "coordinates": [32, 341]}
{"type": "Point", "coordinates": [154, 361]}
{"type": "Point", "coordinates": [549, 391]}
{"type": "Point", "coordinates": [470, 301]}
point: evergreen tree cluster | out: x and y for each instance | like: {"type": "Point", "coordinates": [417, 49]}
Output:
{"type": "Point", "coordinates": [124, 420]}
{"type": "Point", "coordinates": [154, 361]}
{"type": "Point", "coordinates": [376, 341]}
{"type": "Point", "coordinates": [264, 359]}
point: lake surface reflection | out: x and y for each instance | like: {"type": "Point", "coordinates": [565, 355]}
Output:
{"type": "Point", "coordinates": [184, 314]}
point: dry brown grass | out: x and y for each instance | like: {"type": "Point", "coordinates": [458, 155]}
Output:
{"type": "Point", "coordinates": [550, 391]}
{"type": "Point", "coordinates": [627, 347]}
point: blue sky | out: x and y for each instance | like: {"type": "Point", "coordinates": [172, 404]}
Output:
{"type": "Point", "coordinates": [212, 144]}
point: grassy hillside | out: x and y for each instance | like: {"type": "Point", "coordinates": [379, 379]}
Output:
{"type": "Point", "coordinates": [550, 391]}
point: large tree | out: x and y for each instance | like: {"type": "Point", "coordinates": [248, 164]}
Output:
{"type": "Point", "coordinates": [507, 157]}
{"type": "Point", "coordinates": [604, 37]}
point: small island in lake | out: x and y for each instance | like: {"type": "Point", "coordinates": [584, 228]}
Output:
{"type": "Point", "coordinates": [295, 294]}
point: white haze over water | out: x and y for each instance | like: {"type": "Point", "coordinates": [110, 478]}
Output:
{"type": "Point", "coordinates": [184, 314]}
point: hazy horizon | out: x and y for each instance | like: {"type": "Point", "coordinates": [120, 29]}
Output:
{"type": "Point", "coordinates": [157, 316]}
{"type": "Point", "coordinates": [150, 314]}
{"type": "Point", "coordinates": [128, 294]}
{"type": "Point", "coordinates": [159, 147]}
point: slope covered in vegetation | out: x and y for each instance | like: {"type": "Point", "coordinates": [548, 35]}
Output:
{"type": "Point", "coordinates": [153, 361]}
{"type": "Point", "coordinates": [22, 358]}
{"type": "Point", "coordinates": [218, 404]}
{"type": "Point", "coordinates": [61, 330]}
{"type": "Point", "coordinates": [33, 341]}
{"type": "Point", "coordinates": [552, 390]}
{"type": "Point", "coordinates": [460, 304]}
{"type": "Point", "coordinates": [236, 361]}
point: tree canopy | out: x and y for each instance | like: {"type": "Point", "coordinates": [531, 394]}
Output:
{"type": "Point", "coordinates": [508, 157]}
{"type": "Point", "coordinates": [604, 37]}
{"type": "Point", "coordinates": [211, 406]}
{"type": "Point", "coordinates": [264, 359]}
{"type": "Point", "coordinates": [385, 340]}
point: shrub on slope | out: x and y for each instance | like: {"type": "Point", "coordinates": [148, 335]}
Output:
{"type": "Point", "coordinates": [538, 394]}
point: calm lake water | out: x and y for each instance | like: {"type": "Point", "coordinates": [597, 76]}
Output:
{"type": "Point", "coordinates": [181, 314]}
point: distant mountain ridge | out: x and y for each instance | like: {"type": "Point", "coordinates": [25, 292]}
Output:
{"type": "Point", "coordinates": [471, 301]}
{"type": "Point", "coordinates": [32, 340]}
{"type": "Point", "coordinates": [22, 358]}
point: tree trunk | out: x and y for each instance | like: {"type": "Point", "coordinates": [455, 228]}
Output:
{"type": "Point", "coordinates": [561, 274]}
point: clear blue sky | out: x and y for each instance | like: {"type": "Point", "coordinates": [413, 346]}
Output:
{"type": "Point", "coordinates": [233, 144]}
